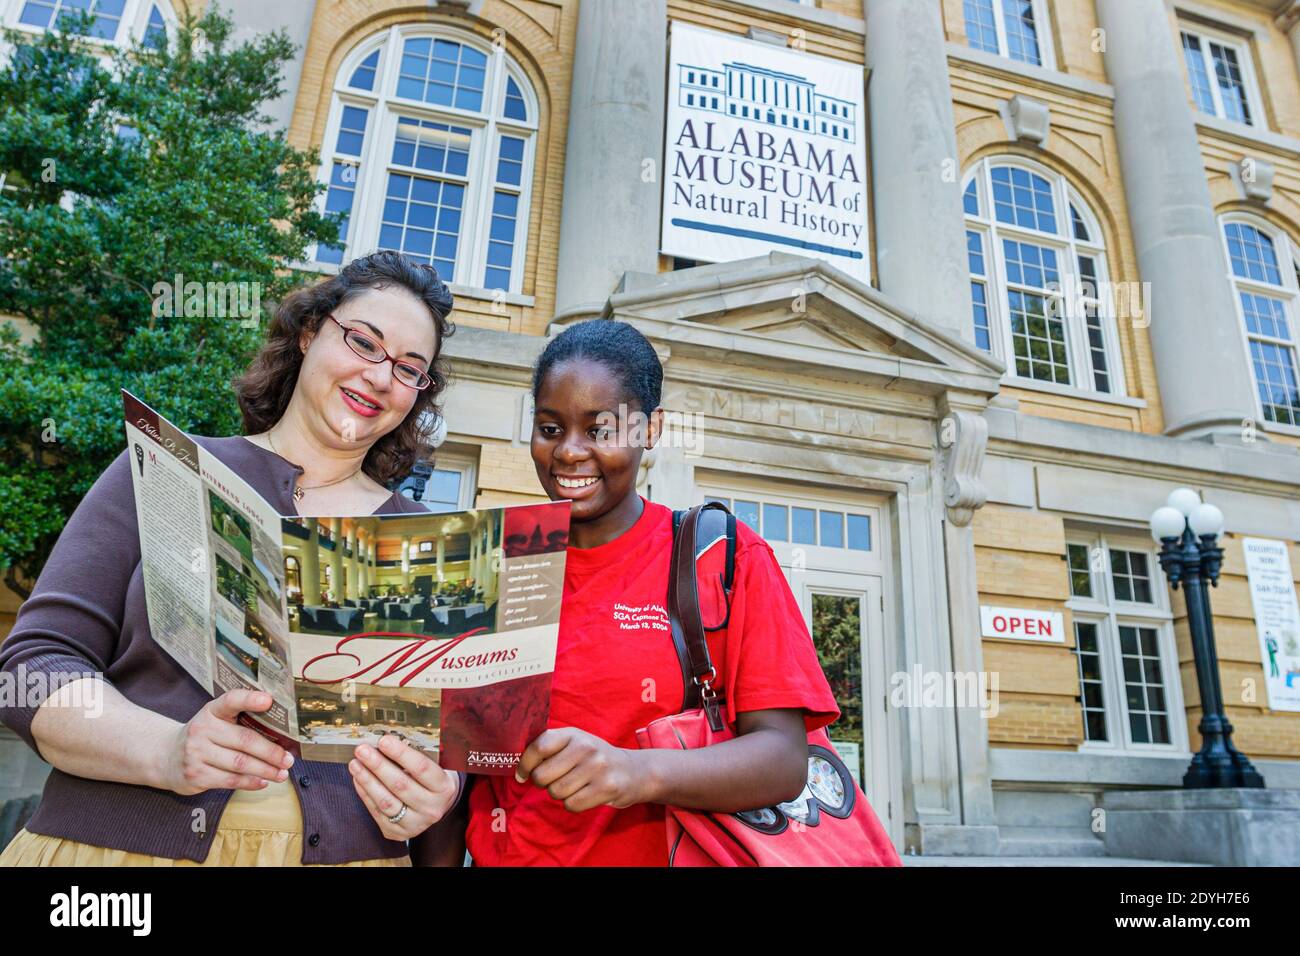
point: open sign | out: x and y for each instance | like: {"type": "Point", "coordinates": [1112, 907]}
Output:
{"type": "Point", "coordinates": [1022, 624]}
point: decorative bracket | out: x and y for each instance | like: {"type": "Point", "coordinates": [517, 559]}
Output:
{"type": "Point", "coordinates": [963, 435]}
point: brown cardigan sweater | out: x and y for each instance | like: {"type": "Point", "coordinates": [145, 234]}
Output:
{"type": "Point", "coordinates": [87, 615]}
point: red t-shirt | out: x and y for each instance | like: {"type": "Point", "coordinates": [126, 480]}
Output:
{"type": "Point", "coordinates": [616, 671]}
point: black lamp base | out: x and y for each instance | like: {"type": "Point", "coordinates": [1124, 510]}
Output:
{"type": "Point", "coordinates": [1221, 770]}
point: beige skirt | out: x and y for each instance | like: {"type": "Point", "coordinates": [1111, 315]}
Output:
{"type": "Point", "coordinates": [257, 828]}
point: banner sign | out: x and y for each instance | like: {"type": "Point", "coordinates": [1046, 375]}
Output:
{"type": "Point", "coordinates": [1277, 619]}
{"type": "Point", "coordinates": [764, 150]}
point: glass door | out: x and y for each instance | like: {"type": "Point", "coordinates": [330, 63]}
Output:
{"type": "Point", "coordinates": [846, 619]}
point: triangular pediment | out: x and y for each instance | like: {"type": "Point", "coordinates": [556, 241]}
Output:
{"type": "Point", "coordinates": [787, 309]}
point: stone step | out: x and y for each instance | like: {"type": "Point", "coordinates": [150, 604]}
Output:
{"type": "Point", "coordinates": [1048, 841]}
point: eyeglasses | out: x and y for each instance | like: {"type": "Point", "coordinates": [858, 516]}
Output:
{"type": "Point", "coordinates": [412, 376]}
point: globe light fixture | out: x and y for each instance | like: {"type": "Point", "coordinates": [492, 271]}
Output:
{"type": "Point", "coordinates": [1187, 529]}
{"type": "Point", "coordinates": [1184, 499]}
{"type": "Point", "coordinates": [1167, 522]}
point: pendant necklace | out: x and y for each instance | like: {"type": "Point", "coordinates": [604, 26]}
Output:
{"type": "Point", "coordinates": [300, 490]}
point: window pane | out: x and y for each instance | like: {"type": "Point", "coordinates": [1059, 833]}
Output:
{"type": "Point", "coordinates": [1144, 685]}
{"type": "Point", "coordinates": [1232, 89]}
{"type": "Point", "coordinates": [1131, 576]}
{"type": "Point", "coordinates": [980, 315]}
{"type": "Point", "coordinates": [832, 529]}
{"type": "Point", "coordinates": [1022, 35]}
{"type": "Point", "coordinates": [1197, 75]}
{"type": "Point", "coordinates": [412, 201]}
{"type": "Point", "coordinates": [1038, 337]}
{"type": "Point", "coordinates": [363, 77]}
{"type": "Point", "coordinates": [1276, 379]}
{"type": "Point", "coordinates": [449, 74]}
{"type": "Point", "coordinates": [1080, 230]}
{"type": "Point", "coordinates": [155, 34]}
{"type": "Point", "coordinates": [1022, 198]}
{"type": "Point", "coordinates": [443, 486]}
{"type": "Point", "coordinates": [515, 107]}
{"type": "Point", "coordinates": [803, 526]}
{"type": "Point", "coordinates": [1252, 254]}
{"type": "Point", "coordinates": [510, 161]}
{"type": "Point", "coordinates": [859, 537]}
{"type": "Point", "coordinates": [747, 511]}
{"type": "Point", "coordinates": [1119, 576]}
{"type": "Point", "coordinates": [1080, 577]}
{"type": "Point", "coordinates": [505, 208]}
{"type": "Point", "coordinates": [775, 523]}
{"type": "Point", "coordinates": [1096, 346]}
{"type": "Point", "coordinates": [36, 14]}
{"type": "Point", "coordinates": [1092, 697]}
{"type": "Point", "coordinates": [1138, 726]}
{"type": "Point", "coordinates": [837, 635]}
{"type": "Point", "coordinates": [981, 31]}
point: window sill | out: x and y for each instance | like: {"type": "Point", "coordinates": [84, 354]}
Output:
{"type": "Point", "coordinates": [805, 11]}
{"type": "Point", "coordinates": [1246, 134]}
{"type": "Point", "coordinates": [491, 295]}
{"type": "Point", "coordinates": [1100, 749]}
{"type": "Point", "coordinates": [35, 31]}
{"type": "Point", "coordinates": [1069, 391]}
{"type": "Point", "coordinates": [1039, 74]}
{"type": "Point", "coordinates": [1121, 610]}
{"type": "Point", "coordinates": [460, 291]}
{"type": "Point", "coordinates": [1278, 428]}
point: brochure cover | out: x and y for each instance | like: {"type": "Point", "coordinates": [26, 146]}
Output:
{"type": "Point", "coordinates": [439, 628]}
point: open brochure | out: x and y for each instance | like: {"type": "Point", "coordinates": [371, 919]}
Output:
{"type": "Point", "coordinates": [438, 628]}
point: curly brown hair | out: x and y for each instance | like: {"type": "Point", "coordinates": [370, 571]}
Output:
{"type": "Point", "coordinates": [267, 384]}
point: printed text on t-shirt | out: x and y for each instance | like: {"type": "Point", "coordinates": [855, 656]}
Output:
{"type": "Point", "coordinates": [641, 617]}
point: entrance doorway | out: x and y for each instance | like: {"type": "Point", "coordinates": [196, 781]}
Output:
{"type": "Point", "coordinates": [832, 550]}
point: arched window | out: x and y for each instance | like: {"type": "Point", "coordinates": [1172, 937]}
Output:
{"type": "Point", "coordinates": [116, 21]}
{"type": "Point", "coordinates": [1039, 278]}
{"type": "Point", "coordinates": [429, 150]}
{"type": "Point", "coordinates": [1263, 263]}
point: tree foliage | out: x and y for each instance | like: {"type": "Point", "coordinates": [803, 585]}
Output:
{"type": "Point", "coordinates": [125, 170]}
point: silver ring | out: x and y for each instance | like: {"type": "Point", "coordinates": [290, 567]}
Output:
{"type": "Point", "coordinates": [397, 817]}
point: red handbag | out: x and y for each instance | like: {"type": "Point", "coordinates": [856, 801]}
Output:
{"type": "Point", "coordinates": [829, 824]}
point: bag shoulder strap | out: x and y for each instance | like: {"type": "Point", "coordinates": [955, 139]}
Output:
{"type": "Point", "coordinates": [694, 532]}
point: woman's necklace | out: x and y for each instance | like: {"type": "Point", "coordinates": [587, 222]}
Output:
{"type": "Point", "coordinates": [300, 490]}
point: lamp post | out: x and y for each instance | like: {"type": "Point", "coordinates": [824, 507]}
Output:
{"type": "Point", "coordinates": [1187, 530]}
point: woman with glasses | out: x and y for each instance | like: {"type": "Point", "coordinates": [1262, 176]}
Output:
{"type": "Point", "coordinates": [149, 770]}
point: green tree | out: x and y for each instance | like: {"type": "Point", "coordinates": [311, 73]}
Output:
{"type": "Point", "coordinates": [123, 171]}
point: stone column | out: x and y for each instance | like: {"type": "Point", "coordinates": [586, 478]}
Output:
{"type": "Point", "coordinates": [406, 560]}
{"type": "Point", "coordinates": [1205, 379]}
{"type": "Point", "coordinates": [350, 568]}
{"type": "Point", "coordinates": [609, 223]}
{"type": "Point", "coordinates": [336, 560]}
{"type": "Point", "coordinates": [920, 237]}
{"type": "Point", "coordinates": [475, 556]}
{"type": "Point", "coordinates": [309, 566]}
{"type": "Point", "coordinates": [256, 18]}
{"type": "Point", "coordinates": [363, 582]}
{"type": "Point", "coordinates": [442, 553]}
